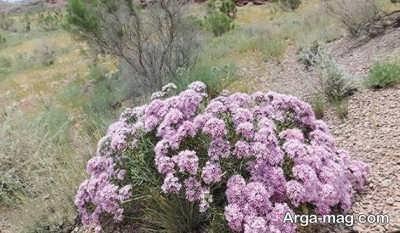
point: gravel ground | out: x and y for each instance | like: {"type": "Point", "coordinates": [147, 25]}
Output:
{"type": "Point", "coordinates": [371, 133]}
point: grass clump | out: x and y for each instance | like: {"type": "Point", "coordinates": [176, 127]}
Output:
{"type": "Point", "coordinates": [383, 75]}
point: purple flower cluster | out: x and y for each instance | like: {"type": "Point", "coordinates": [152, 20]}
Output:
{"type": "Point", "coordinates": [100, 192]}
{"type": "Point", "coordinates": [291, 157]}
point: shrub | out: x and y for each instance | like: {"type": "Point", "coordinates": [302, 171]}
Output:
{"type": "Point", "coordinates": [356, 15]}
{"type": "Point", "coordinates": [218, 23]}
{"type": "Point", "coordinates": [250, 158]}
{"type": "Point", "coordinates": [334, 85]}
{"type": "Point", "coordinates": [311, 57]}
{"type": "Point", "coordinates": [151, 44]}
{"type": "Point", "coordinates": [383, 75]}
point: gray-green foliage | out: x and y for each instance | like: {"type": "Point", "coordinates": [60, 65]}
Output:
{"type": "Point", "coordinates": [383, 75]}
{"type": "Point", "coordinates": [333, 84]}
{"type": "Point", "coordinates": [312, 56]}
{"type": "Point", "coordinates": [220, 15]}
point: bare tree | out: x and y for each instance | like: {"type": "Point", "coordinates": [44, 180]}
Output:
{"type": "Point", "coordinates": [151, 43]}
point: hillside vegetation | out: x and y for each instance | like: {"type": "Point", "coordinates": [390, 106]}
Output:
{"type": "Point", "coordinates": [63, 81]}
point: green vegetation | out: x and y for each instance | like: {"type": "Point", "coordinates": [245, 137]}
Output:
{"type": "Point", "coordinates": [58, 95]}
{"type": "Point", "coordinates": [383, 75]}
{"type": "Point", "coordinates": [228, 7]}
{"type": "Point", "coordinates": [217, 78]}
{"type": "Point", "coordinates": [218, 23]}
{"type": "Point", "coordinates": [318, 105]}
{"type": "Point", "coordinates": [49, 21]}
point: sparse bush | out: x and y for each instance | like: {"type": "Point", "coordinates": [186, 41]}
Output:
{"type": "Point", "coordinates": [383, 75]}
{"type": "Point", "coordinates": [335, 87]}
{"type": "Point", "coordinates": [218, 23]}
{"type": "Point", "coordinates": [356, 15]}
{"type": "Point", "coordinates": [311, 57]}
{"type": "Point", "coordinates": [151, 43]}
{"type": "Point", "coordinates": [247, 159]}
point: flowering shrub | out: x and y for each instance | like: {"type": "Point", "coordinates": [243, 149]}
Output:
{"type": "Point", "coordinates": [253, 158]}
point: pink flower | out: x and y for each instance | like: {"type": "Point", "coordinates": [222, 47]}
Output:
{"type": "Point", "coordinates": [187, 161]}
{"type": "Point", "coordinates": [215, 128]}
{"type": "Point", "coordinates": [212, 173]}
{"type": "Point", "coordinates": [171, 184]}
